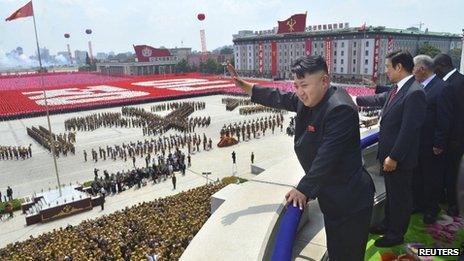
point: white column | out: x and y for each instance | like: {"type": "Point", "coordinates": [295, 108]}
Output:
{"type": "Point", "coordinates": [462, 53]}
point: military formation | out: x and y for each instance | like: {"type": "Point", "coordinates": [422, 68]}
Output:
{"type": "Point", "coordinates": [257, 109]}
{"type": "Point", "coordinates": [154, 147]}
{"type": "Point", "coordinates": [253, 128]}
{"type": "Point", "coordinates": [15, 153]}
{"type": "Point", "coordinates": [232, 103]}
{"type": "Point", "coordinates": [175, 105]}
{"type": "Point", "coordinates": [60, 144]}
{"type": "Point", "coordinates": [97, 120]}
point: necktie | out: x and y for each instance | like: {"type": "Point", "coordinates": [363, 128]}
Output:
{"type": "Point", "coordinates": [393, 94]}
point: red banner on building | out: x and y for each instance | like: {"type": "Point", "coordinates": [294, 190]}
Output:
{"type": "Point", "coordinates": [273, 58]}
{"type": "Point", "coordinates": [146, 53]}
{"type": "Point", "coordinates": [296, 23]}
{"type": "Point", "coordinates": [375, 70]}
{"type": "Point", "coordinates": [390, 44]}
{"type": "Point", "coordinates": [308, 47]}
{"type": "Point", "coordinates": [260, 57]}
{"type": "Point", "coordinates": [328, 54]}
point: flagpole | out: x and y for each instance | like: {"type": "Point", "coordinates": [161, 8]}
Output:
{"type": "Point", "coordinates": [46, 103]}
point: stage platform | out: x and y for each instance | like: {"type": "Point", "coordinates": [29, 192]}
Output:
{"type": "Point", "coordinates": [50, 205]}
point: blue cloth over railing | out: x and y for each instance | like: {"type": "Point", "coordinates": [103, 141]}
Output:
{"type": "Point", "coordinates": [285, 237]}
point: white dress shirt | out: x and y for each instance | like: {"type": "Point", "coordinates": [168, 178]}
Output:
{"type": "Point", "coordinates": [402, 82]}
{"type": "Point", "coordinates": [448, 74]}
{"type": "Point", "coordinates": [427, 81]}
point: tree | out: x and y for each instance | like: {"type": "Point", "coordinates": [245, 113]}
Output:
{"type": "Point", "coordinates": [227, 50]}
{"type": "Point", "coordinates": [455, 55]}
{"type": "Point", "coordinates": [211, 66]}
{"type": "Point", "coordinates": [183, 66]}
{"type": "Point", "coordinates": [429, 50]}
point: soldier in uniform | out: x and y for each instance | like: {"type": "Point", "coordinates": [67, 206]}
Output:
{"type": "Point", "coordinates": [327, 144]}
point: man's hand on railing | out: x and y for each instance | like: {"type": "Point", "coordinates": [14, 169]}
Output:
{"type": "Point", "coordinates": [296, 198]}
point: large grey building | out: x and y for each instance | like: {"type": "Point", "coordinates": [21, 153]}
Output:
{"type": "Point", "coordinates": [351, 53]}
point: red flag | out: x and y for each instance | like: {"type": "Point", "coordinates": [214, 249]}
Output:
{"type": "Point", "coordinates": [24, 11]}
{"type": "Point", "coordinates": [296, 23]}
{"type": "Point", "coordinates": [146, 53]}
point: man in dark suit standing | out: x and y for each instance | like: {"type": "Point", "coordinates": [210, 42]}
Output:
{"type": "Point", "coordinates": [428, 175]}
{"type": "Point", "coordinates": [454, 99]}
{"type": "Point", "coordinates": [402, 117]}
{"type": "Point", "coordinates": [327, 144]}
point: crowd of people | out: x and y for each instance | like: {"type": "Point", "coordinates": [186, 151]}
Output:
{"type": "Point", "coordinates": [162, 146]}
{"type": "Point", "coordinates": [15, 152]}
{"type": "Point", "coordinates": [158, 168]}
{"type": "Point", "coordinates": [60, 144]}
{"type": "Point", "coordinates": [254, 127]}
{"type": "Point", "coordinates": [257, 109]}
{"type": "Point", "coordinates": [175, 105]}
{"type": "Point", "coordinates": [162, 228]}
{"type": "Point", "coordinates": [232, 103]}
{"type": "Point", "coordinates": [154, 124]}
{"type": "Point", "coordinates": [94, 121]}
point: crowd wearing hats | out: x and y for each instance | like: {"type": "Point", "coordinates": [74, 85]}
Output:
{"type": "Point", "coordinates": [232, 103]}
{"type": "Point", "coordinates": [257, 109]}
{"type": "Point", "coordinates": [175, 105]}
{"type": "Point", "coordinates": [15, 152]}
{"type": "Point", "coordinates": [253, 128]}
{"type": "Point", "coordinates": [154, 147]}
{"type": "Point", "coordinates": [161, 228]}
{"type": "Point", "coordinates": [60, 144]}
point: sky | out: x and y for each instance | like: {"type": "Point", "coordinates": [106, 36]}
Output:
{"type": "Point", "coordinates": [117, 24]}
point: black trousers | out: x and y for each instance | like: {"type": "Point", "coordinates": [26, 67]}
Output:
{"type": "Point", "coordinates": [398, 203]}
{"type": "Point", "coordinates": [453, 158]}
{"type": "Point", "coordinates": [347, 238]}
{"type": "Point", "coordinates": [427, 182]}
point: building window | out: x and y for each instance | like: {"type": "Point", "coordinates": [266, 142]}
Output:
{"type": "Point", "coordinates": [335, 44]}
{"type": "Point", "coordinates": [335, 53]}
{"type": "Point", "coordinates": [343, 45]}
{"type": "Point", "coordinates": [354, 61]}
{"type": "Point", "coordinates": [341, 61]}
{"type": "Point", "coordinates": [365, 70]}
{"type": "Point", "coordinates": [366, 61]}
{"type": "Point", "coordinates": [343, 53]}
{"type": "Point", "coordinates": [354, 52]}
{"type": "Point", "coordinates": [354, 44]}
{"type": "Point", "coordinates": [335, 61]}
{"type": "Point", "coordinates": [367, 52]}
{"type": "Point", "coordinates": [335, 68]}
{"type": "Point", "coordinates": [367, 44]}
{"type": "Point", "coordinates": [341, 69]}
{"type": "Point", "coordinates": [354, 70]}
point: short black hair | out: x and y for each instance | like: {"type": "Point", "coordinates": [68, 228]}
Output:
{"type": "Point", "coordinates": [402, 57]}
{"type": "Point", "coordinates": [443, 60]}
{"type": "Point", "coordinates": [309, 64]}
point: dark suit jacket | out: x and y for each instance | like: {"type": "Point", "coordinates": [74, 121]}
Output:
{"type": "Point", "coordinates": [454, 96]}
{"type": "Point", "coordinates": [400, 124]}
{"type": "Point", "coordinates": [381, 89]}
{"type": "Point", "coordinates": [327, 144]}
{"type": "Point", "coordinates": [434, 129]}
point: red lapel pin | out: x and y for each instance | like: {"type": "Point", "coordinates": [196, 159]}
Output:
{"type": "Point", "coordinates": [311, 128]}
